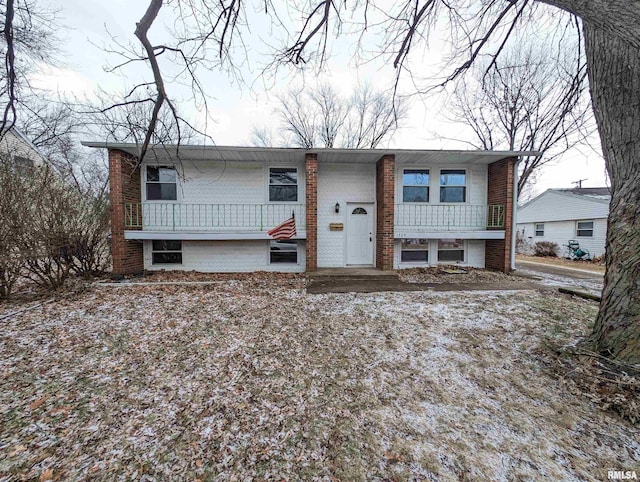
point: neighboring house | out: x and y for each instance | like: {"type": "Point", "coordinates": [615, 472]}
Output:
{"type": "Point", "coordinates": [558, 215]}
{"type": "Point", "coordinates": [390, 209]}
{"type": "Point", "coordinates": [20, 149]}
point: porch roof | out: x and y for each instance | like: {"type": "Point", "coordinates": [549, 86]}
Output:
{"type": "Point", "coordinates": [171, 152]}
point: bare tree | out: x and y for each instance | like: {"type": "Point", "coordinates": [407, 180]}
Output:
{"type": "Point", "coordinates": [321, 117]}
{"type": "Point", "coordinates": [527, 100]}
{"type": "Point", "coordinates": [28, 39]}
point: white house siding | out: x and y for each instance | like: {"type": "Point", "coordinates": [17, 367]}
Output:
{"type": "Point", "coordinates": [474, 254]}
{"type": "Point", "coordinates": [226, 257]}
{"type": "Point", "coordinates": [340, 183]}
{"type": "Point", "coordinates": [217, 182]}
{"type": "Point", "coordinates": [13, 144]}
{"type": "Point", "coordinates": [476, 181]}
{"type": "Point", "coordinates": [560, 232]}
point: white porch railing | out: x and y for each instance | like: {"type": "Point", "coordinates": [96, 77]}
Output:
{"type": "Point", "coordinates": [210, 217]}
{"type": "Point", "coordinates": [448, 217]}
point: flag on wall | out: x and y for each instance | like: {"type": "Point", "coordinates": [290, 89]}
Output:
{"type": "Point", "coordinates": [286, 230]}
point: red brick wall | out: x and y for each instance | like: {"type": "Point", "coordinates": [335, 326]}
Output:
{"type": "Point", "coordinates": [385, 198]}
{"type": "Point", "coordinates": [311, 179]}
{"type": "Point", "coordinates": [124, 184]}
{"type": "Point", "coordinates": [500, 191]}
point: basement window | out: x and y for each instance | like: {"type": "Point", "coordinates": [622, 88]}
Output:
{"type": "Point", "coordinates": [450, 250]}
{"type": "Point", "coordinates": [283, 252]}
{"type": "Point", "coordinates": [414, 251]}
{"type": "Point", "coordinates": [161, 183]}
{"type": "Point", "coordinates": [166, 252]}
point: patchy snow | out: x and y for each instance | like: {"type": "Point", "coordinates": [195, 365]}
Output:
{"type": "Point", "coordinates": [256, 379]}
{"type": "Point", "coordinates": [591, 285]}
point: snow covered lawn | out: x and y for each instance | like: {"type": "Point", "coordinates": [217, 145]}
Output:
{"type": "Point", "coordinates": [255, 379]}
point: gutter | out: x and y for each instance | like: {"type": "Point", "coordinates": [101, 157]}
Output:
{"type": "Point", "coordinates": [514, 214]}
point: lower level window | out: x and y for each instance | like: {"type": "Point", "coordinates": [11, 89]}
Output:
{"type": "Point", "coordinates": [414, 251]}
{"type": "Point", "coordinates": [285, 251]}
{"type": "Point", "coordinates": [450, 250]}
{"type": "Point", "coordinates": [166, 252]}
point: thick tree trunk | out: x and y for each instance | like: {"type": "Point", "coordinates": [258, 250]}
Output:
{"type": "Point", "coordinates": [618, 17]}
{"type": "Point", "coordinates": [614, 76]}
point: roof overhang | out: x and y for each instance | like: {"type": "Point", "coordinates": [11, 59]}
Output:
{"type": "Point", "coordinates": [172, 153]}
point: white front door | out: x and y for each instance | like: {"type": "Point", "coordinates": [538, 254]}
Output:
{"type": "Point", "coordinates": [360, 234]}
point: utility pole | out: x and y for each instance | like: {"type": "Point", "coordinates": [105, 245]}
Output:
{"type": "Point", "coordinates": [578, 183]}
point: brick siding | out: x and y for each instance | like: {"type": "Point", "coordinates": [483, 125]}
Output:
{"type": "Point", "coordinates": [385, 196]}
{"type": "Point", "coordinates": [124, 183]}
{"type": "Point", "coordinates": [500, 191]}
{"type": "Point", "coordinates": [311, 182]}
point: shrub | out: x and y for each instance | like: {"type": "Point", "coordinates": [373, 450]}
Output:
{"type": "Point", "coordinates": [545, 249]}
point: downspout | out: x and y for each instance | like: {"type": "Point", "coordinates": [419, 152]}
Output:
{"type": "Point", "coordinates": [514, 214]}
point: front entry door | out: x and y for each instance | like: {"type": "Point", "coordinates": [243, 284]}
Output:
{"type": "Point", "coordinates": [360, 234]}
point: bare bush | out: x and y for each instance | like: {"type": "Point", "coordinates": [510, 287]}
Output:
{"type": "Point", "coordinates": [545, 249]}
{"type": "Point", "coordinates": [523, 244]}
{"type": "Point", "coordinates": [48, 229]}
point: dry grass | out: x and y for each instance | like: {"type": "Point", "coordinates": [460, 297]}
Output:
{"type": "Point", "coordinates": [254, 379]}
{"type": "Point", "coordinates": [437, 274]}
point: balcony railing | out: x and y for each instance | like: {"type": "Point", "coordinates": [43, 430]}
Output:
{"type": "Point", "coordinates": [449, 217]}
{"type": "Point", "coordinates": [210, 217]}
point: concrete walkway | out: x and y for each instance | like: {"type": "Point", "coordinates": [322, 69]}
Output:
{"type": "Point", "coordinates": [570, 272]}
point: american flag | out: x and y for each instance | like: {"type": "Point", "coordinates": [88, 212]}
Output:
{"type": "Point", "coordinates": [286, 230]}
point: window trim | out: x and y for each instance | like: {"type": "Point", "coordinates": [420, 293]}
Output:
{"type": "Point", "coordinates": [297, 251]}
{"type": "Point", "coordinates": [428, 185]}
{"type": "Point", "coordinates": [536, 230]}
{"type": "Point", "coordinates": [419, 247]}
{"type": "Point", "coordinates": [297, 169]}
{"type": "Point", "coordinates": [463, 249]}
{"type": "Point", "coordinates": [592, 229]}
{"type": "Point", "coordinates": [154, 251]}
{"type": "Point", "coordinates": [465, 185]}
{"type": "Point", "coordinates": [145, 182]}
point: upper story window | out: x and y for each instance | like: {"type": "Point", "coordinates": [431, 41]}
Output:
{"type": "Point", "coordinates": [584, 229]}
{"type": "Point", "coordinates": [161, 183]}
{"type": "Point", "coordinates": [453, 186]}
{"type": "Point", "coordinates": [415, 186]}
{"type": "Point", "coordinates": [539, 229]}
{"type": "Point", "coordinates": [283, 184]}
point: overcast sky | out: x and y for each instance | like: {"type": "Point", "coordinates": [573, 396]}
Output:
{"type": "Point", "coordinates": [236, 108]}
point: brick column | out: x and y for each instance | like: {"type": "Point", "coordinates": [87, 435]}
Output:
{"type": "Point", "coordinates": [500, 192]}
{"type": "Point", "coordinates": [385, 195]}
{"type": "Point", "coordinates": [311, 180]}
{"type": "Point", "coordinates": [124, 184]}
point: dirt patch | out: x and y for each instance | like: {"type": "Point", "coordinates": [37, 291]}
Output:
{"type": "Point", "coordinates": [586, 265]}
{"type": "Point", "coordinates": [439, 275]}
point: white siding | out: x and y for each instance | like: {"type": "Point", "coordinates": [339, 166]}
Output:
{"type": "Point", "coordinates": [476, 181]}
{"type": "Point", "coordinates": [474, 254]}
{"type": "Point", "coordinates": [340, 183]}
{"type": "Point", "coordinates": [226, 257]}
{"type": "Point", "coordinates": [557, 206]}
{"type": "Point", "coordinates": [14, 145]}
{"type": "Point", "coordinates": [218, 182]}
{"type": "Point", "coordinates": [560, 232]}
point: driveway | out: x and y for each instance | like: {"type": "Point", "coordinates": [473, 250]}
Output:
{"type": "Point", "coordinates": [554, 275]}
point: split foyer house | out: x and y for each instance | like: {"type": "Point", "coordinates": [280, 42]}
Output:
{"type": "Point", "coordinates": [389, 209]}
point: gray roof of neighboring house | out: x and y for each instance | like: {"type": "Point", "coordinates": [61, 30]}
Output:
{"type": "Point", "coordinates": [596, 192]}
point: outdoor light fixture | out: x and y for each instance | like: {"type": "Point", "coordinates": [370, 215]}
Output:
{"type": "Point", "coordinates": [337, 207]}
